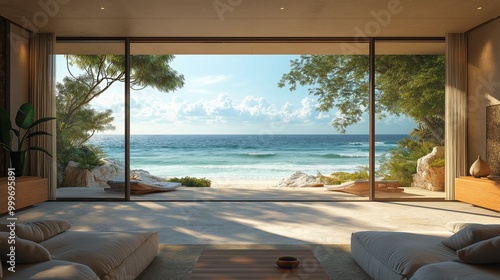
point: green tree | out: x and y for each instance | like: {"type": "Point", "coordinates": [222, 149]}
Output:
{"type": "Point", "coordinates": [100, 72]}
{"type": "Point", "coordinates": [75, 127]}
{"type": "Point", "coordinates": [77, 121]}
{"type": "Point", "coordinates": [410, 85]}
{"type": "Point", "coordinates": [97, 73]}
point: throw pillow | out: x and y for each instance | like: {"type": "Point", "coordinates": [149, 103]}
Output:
{"type": "Point", "coordinates": [471, 234]}
{"type": "Point", "coordinates": [39, 231]}
{"type": "Point", "coordinates": [457, 225]}
{"type": "Point", "coordinates": [25, 251]}
{"type": "Point", "coordinates": [484, 252]}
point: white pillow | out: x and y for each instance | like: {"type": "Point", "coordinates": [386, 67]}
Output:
{"type": "Point", "coordinates": [484, 252]}
{"type": "Point", "coordinates": [471, 234]}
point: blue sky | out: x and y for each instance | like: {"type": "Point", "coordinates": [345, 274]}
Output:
{"type": "Point", "coordinates": [229, 94]}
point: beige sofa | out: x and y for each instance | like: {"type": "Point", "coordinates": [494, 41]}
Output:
{"type": "Point", "coordinates": [468, 252]}
{"type": "Point", "coordinates": [48, 250]}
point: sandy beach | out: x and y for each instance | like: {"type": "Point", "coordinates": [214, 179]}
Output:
{"type": "Point", "coordinates": [244, 183]}
{"type": "Point", "coordinates": [255, 184]}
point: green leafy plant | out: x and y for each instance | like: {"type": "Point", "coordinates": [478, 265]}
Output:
{"type": "Point", "coordinates": [192, 182]}
{"type": "Point", "coordinates": [25, 121]}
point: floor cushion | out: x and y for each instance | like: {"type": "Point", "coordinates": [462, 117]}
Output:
{"type": "Point", "coordinates": [457, 270]}
{"type": "Point", "coordinates": [111, 255]}
{"type": "Point", "coordinates": [397, 255]}
{"type": "Point", "coordinates": [53, 270]}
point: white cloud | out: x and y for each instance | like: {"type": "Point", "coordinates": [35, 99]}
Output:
{"type": "Point", "coordinates": [255, 107]}
{"type": "Point", "coordinates": [109, 100]}
{"type": "Point", "coordinates": [220, 110]}
{"type": "Point", "coordinates": [323, 115]}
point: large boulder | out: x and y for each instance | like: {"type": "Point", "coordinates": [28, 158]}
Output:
{"type": "Point", "coordinates": [97, 177]}
{"type": "Point", "coordinates": [430, 177]}
{"type": "Point", "coordinates": [300, 179]}
{"type": "Point", "coordinates": [144, 176]}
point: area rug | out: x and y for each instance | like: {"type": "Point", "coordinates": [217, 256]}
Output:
{"type": "Point", "coordinates": [176, 262]}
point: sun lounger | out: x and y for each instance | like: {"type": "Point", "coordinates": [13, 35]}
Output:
{"type": "Point", "coordinates": [139, 187]}
{"type": "Point", "coordinates": [362, 187]}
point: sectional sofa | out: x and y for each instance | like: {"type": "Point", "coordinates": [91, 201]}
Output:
{"type": "Point", "coordinates": [49, 250]}
{"type": "Point", "coordinates": [465, 252]}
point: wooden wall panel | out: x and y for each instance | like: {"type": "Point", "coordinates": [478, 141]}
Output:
{"type": "Point", "coordinates": [3, 81]}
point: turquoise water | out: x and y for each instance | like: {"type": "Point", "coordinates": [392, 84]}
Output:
{"type": "Point", "coordinates": [252, 157]}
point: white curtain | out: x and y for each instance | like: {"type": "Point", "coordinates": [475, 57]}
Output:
{"type": "Point", "coordinates": [456, 111]}
{"type": "Point", "coordinates": [42, 95]}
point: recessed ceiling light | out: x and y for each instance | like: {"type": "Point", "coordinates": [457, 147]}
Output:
{"type": "Point", "coordinates": [479, 8]}
{"type": "Point", "coordinates": [282, 8]}
{"type": "Point", "coordinates": [102, 8]}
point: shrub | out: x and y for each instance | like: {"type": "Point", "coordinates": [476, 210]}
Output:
{"type": "Point", "coordinates": [87, 156]}
{"type": "Point", "coordinates": [192, 182]}
{"type": "Point", "coordinates": [401, 163]}
{"type": "Point", "coordinates": [340, 177]}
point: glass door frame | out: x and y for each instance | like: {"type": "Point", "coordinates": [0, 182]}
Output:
{"type": "Point", "coordinates": [371, 41]}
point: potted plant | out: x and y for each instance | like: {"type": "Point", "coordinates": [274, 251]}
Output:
{"type": "Point", "coordinates": [25, 122]}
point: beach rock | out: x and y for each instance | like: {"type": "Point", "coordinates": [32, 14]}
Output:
{"type": "Point", "coordinates": [97, 177]}
{"type": "Point", "coordinates": [300, 179]}
{"type": "Point", "coordinates": [144, 176]}
{"type": "Point", "coordinates": [76, 177]}
{"type": "Point", "coordinates": [429, 177]}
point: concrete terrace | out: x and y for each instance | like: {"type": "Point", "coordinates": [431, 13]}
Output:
{"type": "Point", "coordinates": [244, 194]}
{"type": "Point", "coordinates": [264, 222]}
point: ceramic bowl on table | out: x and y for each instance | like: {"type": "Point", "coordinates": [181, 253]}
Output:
{"type": "Point", "coordinates": [287, 262]}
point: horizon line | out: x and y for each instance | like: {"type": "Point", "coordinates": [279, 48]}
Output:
{"type": "Point", "coordinates": [190, 134]}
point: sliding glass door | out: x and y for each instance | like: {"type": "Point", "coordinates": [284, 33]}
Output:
{"type": "Point", "coordinates": [242, 114]}
{"type": "Point", "coordinates": [90, 119]}
{"type": "Point", "coordinates": [410, 83]}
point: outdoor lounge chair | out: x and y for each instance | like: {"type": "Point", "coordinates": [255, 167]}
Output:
{"type": "Point", "coordinates": [139, 187]}
{"type": "Point", "coordinates": [362, 187]}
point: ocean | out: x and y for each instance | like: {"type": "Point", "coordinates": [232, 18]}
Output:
{"type": "Point", "coordinates": [245, 157]}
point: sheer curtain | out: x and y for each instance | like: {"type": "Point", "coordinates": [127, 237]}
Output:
{"type": "Point", "coordinates": [42, 95]}
{"type": "Point", "coordinates": [456, 111]}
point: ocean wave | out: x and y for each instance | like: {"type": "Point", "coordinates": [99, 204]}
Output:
{"type": "Point", "coordinates": [343, 156]}
{"type": "Point", "coordinates": [265, 170]}
{"type": "Point", "coordinates": [357, 144]}
{"type": "Point", "coordinates": [258, 154]}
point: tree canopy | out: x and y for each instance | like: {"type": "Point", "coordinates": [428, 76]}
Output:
{"type": "Point", "coordinates": [75, 127]}
{"type": "Point", "coordinates": [96, 74]}
{"type": "Point", "coordinates": [89, 77]}
{"type": "Point", "coordinates": [410, 85]}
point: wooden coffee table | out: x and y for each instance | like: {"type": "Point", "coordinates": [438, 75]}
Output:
{"type": "Point", "coordinates": [255, 264]}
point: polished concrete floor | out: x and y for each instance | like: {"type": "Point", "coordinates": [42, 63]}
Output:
{"type": "Point", "coordinates": [246, 194]}
{"type": "Point", "coordinates": [266, 222]}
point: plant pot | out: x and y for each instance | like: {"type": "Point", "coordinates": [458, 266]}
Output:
{"type": "Point", "coordinates": [17, 160]}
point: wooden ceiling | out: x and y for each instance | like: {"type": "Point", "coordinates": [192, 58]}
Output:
{"type": "Point", "coordinates": [250, 18]}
